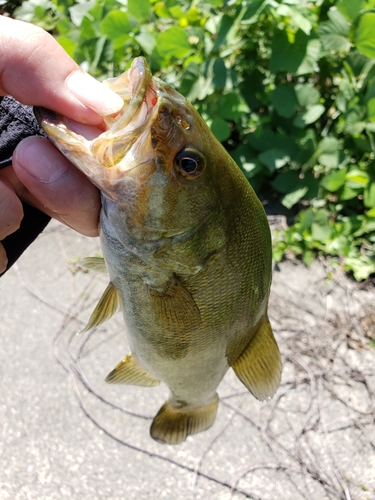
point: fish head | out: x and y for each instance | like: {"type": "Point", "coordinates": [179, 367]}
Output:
{"type": "Point", "coordinates": [155, 161]}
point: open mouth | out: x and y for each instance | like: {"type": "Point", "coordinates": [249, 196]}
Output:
{"type": "Point", "coordinates": [140, 97]}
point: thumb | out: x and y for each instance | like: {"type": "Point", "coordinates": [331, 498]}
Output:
{"type": "Point", "coordinates": [36, 70]}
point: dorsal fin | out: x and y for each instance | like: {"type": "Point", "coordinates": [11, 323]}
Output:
{"type": "Point", "coordinates": [259, 365]}
{"type": "Point", "coordinates": [108, 304]}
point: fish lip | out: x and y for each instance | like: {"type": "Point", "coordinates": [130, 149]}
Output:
{"type": "Point", "coordinates": [142, 90]}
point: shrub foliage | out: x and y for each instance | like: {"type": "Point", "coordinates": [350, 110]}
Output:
{"type": "Point", "coordinates": [287, 86]}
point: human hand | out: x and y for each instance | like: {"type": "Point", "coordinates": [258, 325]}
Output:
{"type": "Point", "coordinates": [35, 70]}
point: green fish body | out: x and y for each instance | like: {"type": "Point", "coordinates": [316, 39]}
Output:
{"type": "Point", "coordinates": [187, 247]}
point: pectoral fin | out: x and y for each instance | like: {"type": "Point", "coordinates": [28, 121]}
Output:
{"type": "Point", "coordinates": [129, 372]}
{"type": "Point", "coordinates": [108, 304]}
{"type": "Point", "coordinates": [259, 365]}
{"type": "Point", "coordinates": [173, 425]}
{"type": "Point", "coordinates": [175, 307]}
{"type": "Point", "coordinates": [95, 263]}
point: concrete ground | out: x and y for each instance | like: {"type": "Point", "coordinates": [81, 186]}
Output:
{"type": "Point", "coordinates": [66, 434]}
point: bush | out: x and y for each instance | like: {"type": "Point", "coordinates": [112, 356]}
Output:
{"type": "Point", "coordinates": [287, 86]}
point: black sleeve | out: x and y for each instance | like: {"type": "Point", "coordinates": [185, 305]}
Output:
{"type": "Point", "coordinates": [17, 122]}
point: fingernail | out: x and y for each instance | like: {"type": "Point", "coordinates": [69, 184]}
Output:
{"type": "Point", "coordinates": [94, 94]}
{"type": "Point", "coordinates": [41, 160]}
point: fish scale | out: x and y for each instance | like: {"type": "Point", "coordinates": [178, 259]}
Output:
{"type": "Point", "coordinates": [187, 247]}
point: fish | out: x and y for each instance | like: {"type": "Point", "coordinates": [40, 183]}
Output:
{"type": "Point", "coordinates": [187, 247]}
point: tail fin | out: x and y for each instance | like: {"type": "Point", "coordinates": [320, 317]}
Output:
{"type": "Point", "coordinates": [173, 425]}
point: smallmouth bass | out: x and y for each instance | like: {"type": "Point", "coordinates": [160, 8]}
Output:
{"type": "Point", "coordinates": [187, 247]}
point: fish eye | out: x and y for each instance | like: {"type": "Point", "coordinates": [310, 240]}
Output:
{"type": "Point", "coordinates": [189, 163]}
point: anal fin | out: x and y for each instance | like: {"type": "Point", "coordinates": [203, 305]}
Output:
{"type": "Point", "coordinates": [108, 304]}
{"type": "Point", "coordinates": [173, 425]}
{"type": "Point", "coordinates": [259, 365]}
{"type": "Point", "coordinates": [129, 372]}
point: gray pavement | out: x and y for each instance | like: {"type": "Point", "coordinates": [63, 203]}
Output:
{"type": "Point", "coordinates": [66, 434]}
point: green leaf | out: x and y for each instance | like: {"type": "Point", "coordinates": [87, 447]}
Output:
{"type": "Point", "coordinates": [369, 195]}
{"type": "Point", "coordinates": [353, 123]}
{"type": "Point", "coordinates": [320, 229]}
{"type": "Point", "coordinates": [286, 182]}
{"type": "Point", "coordinates": [285, 55]}
{"type": "Point", "coordinates": [231, 107]}
{"type": "Point", "coordinates": [334, 180]}
{"type": "Point", "coordinates": [67, 44]}
{"type": "Point", "coordinates": [244, 157]}
{"type": "Point", "coordinates": [357, 178]}
{"type": "Point", "coordinates": [365, 35]}
{"type": "Point", "coordinates": [252, 89]}
{"type": "Point", "coordinates": [220, 129]}
{"type": "Point", "coordinates": [173, 43]}
{"type": "Point", "coordinates": [140, 9]}
{"type": "Point", "coordinates": [284, 100]}
{"type": "Point", "coordinates": [146, 41]}
{"type": "Point", "coordinates": [334, 33]}
{"type": "Point", "coordinates": [193, 15]}
{"type": "Point", "coordinates": [371, 109]}
{"type": "Point", "coordinates": [215, 3]}
{"type": "Point", "coordinates": [79, 11]}
{"type": "Point", "coordinates": [274, 159]}
{"type": "Point", "coordinates": [329, 149]}
{"type": "Point", "coordinates": [225, 26]}
{"type": "Point", "coordinates": [251, 167]}
{"type": "Point", "coordinates": [161, 10]}
{"type": "Point", "coordinates": [254, 9]}
{"type": "Point", "coordinates": [115, 25]}
{"type": "Point", "coordinates": [370, 92]}
{"type": "Point", "coordinates": [301, 21]}
{"type": "Point", "coordinates": [177, 11]}
{"type": "Point", "coordinates": [362, 266]}
{"type": "Point", "coordinates": [367, 227]}
{"type": "Point", "coordinates": [64, 27]}
{"type": "Point", "coordinates": [290, 199]}
{"type": "Point", "coordinates": [219, 70]}
{"type": "Point", "coordinates": [306, 218]}
{"type": "Point", "coordinates": [102, 52]}
{"type": "Point", "coordinates": [299, 57]}
{"type": "Point", "coordinates": [26, 10]}
{"type": "Point", "coordinates": [307, 95]}
{"type": "Point", "coordinates": [310, 116]}
{"type": "Point", "coordinates": [348, 193]}
{"type": "Point", "coordinates": [312, 55]}
{"type": "Point", "coordinates": [312, 184]}
{"type": "Point", "coordinates": [350, 8]}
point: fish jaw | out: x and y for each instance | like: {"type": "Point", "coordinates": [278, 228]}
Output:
{"type": "Point", "coordinates": [104, 154]}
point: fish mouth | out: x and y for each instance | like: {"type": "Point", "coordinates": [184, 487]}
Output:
{"type": "Point", "coordinates": [108, 144]}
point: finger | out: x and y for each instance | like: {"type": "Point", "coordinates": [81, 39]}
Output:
{"type": "Point", "coordinates": [3, 259]}
{"type": "Point", "coordinates": [36, 70]}
{"type": "Point", "coordinates": [11, 211]}
{"type": "Point", "coordinates": [55, 186]}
